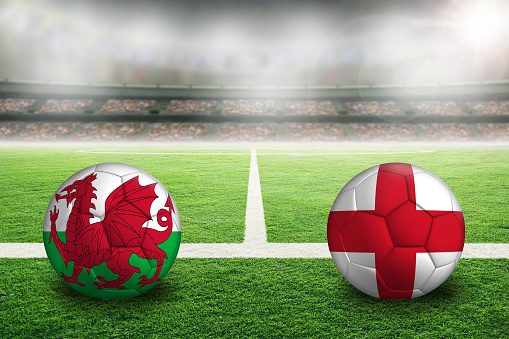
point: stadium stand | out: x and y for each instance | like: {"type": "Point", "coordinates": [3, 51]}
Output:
{"type": "Point", "coordinates": [15, 105]}
{"type": "Point", "coordinates": [7, 130]}
{"type": "Point", "coordinates": [177, 106]}
{"type": "Point", "coordinates": [317, 132]}
{"type": "Point", "coordinates": [109, 131]}
{"type": "Point", "coordinates": [47, 131]}
{"type": "Point", "coordinates": [385, 132]}
{"type": "Point", "coordinates": [436, 107]}
{"type": "Point", "coordinates": [494, 132]}
{"type": "Point", "coordinates": [247, 132]}
{"type": "Point", "coordinates": [249, 107]}
{"type": "Point", "coordinates": [310, 107]}
{"type": "Point", "coordinates": [489, 107]}
{"type": "Point", "coordinates": [448, 132]}
{"type": "Point", "coordinates": [373, 108]}
{"type": "Point", "coordinates": [138, 106]}
{"type": "Point", "coordinates": [64, 106]}
{"type": "Point", "coordinates": [178, 132]}
{"type": "Point", "coordinates": [245, 114]}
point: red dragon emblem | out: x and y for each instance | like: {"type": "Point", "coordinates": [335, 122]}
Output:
{"type": "Point", "coordinates": [114, 239]}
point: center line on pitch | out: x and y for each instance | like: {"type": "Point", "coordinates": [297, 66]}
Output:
{"type": "Point", "coordinates": [255, 219]}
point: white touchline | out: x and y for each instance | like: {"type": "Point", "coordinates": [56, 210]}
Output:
{"type": "Point", "coordinates": [255, 250]}
{"type": "Point", "coordinates": [255, 231]}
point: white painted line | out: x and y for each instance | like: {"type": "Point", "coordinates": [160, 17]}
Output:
{"type": "Point", "coordinates": [254, 250]}
{"type": "Point", "coordinates": [255, 219]}
{"type": "Point", "coordinates": [22, 250]}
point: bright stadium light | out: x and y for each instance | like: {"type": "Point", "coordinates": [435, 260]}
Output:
{"type": "Point", "coordinates": [484, 22]}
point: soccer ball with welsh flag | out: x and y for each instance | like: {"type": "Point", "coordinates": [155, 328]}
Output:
{"type": "Point", "coordinates": [112, 231]}
{"type": "Point", "coordinates": [396, 231]}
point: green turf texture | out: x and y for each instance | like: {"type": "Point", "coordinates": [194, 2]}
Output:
{"type": "Point", "coordinates": [254, 298]}
{"type": "Point", "coordinates": [210, 191]}
{"type": "Point", "coordinates": [298, 188]}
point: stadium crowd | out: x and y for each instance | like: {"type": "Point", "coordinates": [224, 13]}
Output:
{"type": "Point", "coordinates": [436, 107]}
{"type": "Point", "coordinates": [448, 132]}
{"type": "Point", "coordinates": [47, 131]}
{"type": "Point", "coordinates": [247, 132]}
{"type": "Point", "coordinates": [373, 108]}
{"type": "Point", "coordinates": [494, 132]}
{"type": "Point", "coordinates": [309, 107]}
{"type": "Point", "coordinates": [317, 132]}
{"type": "Point", "coordinates": [15, 105]}
{"type": "Point", "coordinates": [113, 105]}
{"type": "Point", "coordinates": [109, 131]}
{"type": "Point", "coordinates": [249, 107]}
{"type": "Point", "coordinates": [177, 106]}
{"type": "Point", "coordinates": [385, 132]}
{"type": "Point", "coordinates": [8, 129]}
{"type": "Point", "coordinates": [64, 106]}
{"type": "Point", "coordinates": [178, 132]}
{"type": "Point", "coordinates": [489, 107]}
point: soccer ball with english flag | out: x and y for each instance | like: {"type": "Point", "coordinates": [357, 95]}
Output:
{"type": "Point", "coordinates": [396, 231]}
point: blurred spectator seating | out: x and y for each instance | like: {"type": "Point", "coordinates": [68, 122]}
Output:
{"type": "Point", "coordinates": [247, 132]}
{"type": "Point", "coordinates": [436, 107]}
{"type": "Point", "coordinates": [15, 105]}
{"type": "Point", "coordinates": [177, 106]}
{"type": "Point", "coordinates": [310, 107]}
{"type": "Point", "coordinates": [385, 132]}
{"type": "Point", "coordinates": [110, 131]}
{"type": "Point", "coordinates": [66, 105]}
{"type": "Point", "coordinates": [8, 129]}
{"type": "Point", "coordinates": [448, 132]}
{"type": "Point", "coordinates": [112, 106]}
{"type": "Point", "coordinates": [317, 132]}
{"type": "Point", "coordinates": [373, 108]}
{"type": "Point", "coordinates": [47, 131]}
{"type": "Point", "coordinates": [249, 107]}
{"type": "Point", "coordinates": [495, 132]}
{"type": "Point", "coordinates": [489, 107]}
{"type": "Point", "coordinates": [178, 132]}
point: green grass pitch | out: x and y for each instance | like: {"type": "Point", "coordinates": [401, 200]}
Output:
{"type": "Point", "coordinates": [254, 298]}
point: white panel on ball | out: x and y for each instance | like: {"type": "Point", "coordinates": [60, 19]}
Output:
{"type": "Point", "coordinates": [424, 268]}
{"type": "Point", "coordinates": [345, 201]}
{"type": "Point", "coordinates": [341, 260]}
{"type": "Point", "coordinates": [438, 277]}
{"type": "Point", "coordinates": [361, 177]}
{"type": "Point", "coordinates": [365, 193]}
{"type": "Point", "coordinates": [431, 194]}
{"type": "Point", "coordinates": [443, 258]}
{"type": "Point", "coordinates": [363, 259]}
{"type": "Point", "coordinates": [364, 278]}
{"type": "Point", "coordinates": [417, 293]}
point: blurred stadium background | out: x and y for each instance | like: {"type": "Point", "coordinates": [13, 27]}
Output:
{"type": "Point", "coordinates": [238, 70]}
